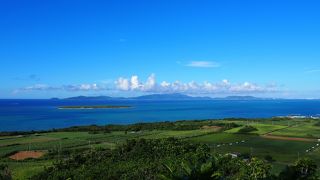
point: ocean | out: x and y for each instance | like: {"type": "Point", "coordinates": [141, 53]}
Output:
{"type": "Point", "coordinates": [24, 115]}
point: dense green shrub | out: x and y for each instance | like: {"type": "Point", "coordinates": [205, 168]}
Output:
{"type": "Point", "coordinates": [155, 159]}
{"type": "Point", "coordinates": [317, 124]}
{"type": "Point", "coordinates": [247, 129]}
{"type": "Point", "coordinates": [304, 169]}
{"type": "Point", "coordinates": [137, 159]}
{"type": "Point", "coordinates": [168, 159]}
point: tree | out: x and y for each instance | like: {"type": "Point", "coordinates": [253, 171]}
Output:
{"type": "Point", "coordinates": [255, 169]}
{"type": "Point", "coordinates": [192, 171]}
{"type": "Point", "coordinates": [304, 169]}
{"type": "Point", "coordinates": [220, 167]}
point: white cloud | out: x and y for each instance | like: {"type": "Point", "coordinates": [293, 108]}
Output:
{"type": "Point", "coordinates": [38, 87]}
{"type": "Point", "coordinates": [123, 84]}
{"type": "Point", "coordinates": [151, 83]}
{"type": "Point", "coordinates": [247, 86]}
{"type": "Point", "coordinates": [83, 87]}
{"type": "Point", "coordinates": [45, 87]}
{"type": "Point", "coordinates": [203, 64]}
{"type": "Point", "coordinates": [133, 84]}
{"type": "Point", "coordinates": [192, 87]}
{"type": "Point", "coordinates": [226, 82]}
{"type": "Point", "coordinates": [165, 84]}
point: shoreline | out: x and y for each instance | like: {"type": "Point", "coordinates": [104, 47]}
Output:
{"type": "Point", "coordinates": [82, 127]}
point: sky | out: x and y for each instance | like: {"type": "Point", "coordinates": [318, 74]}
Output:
{"type": "Point", "coordinates": [216, 48]}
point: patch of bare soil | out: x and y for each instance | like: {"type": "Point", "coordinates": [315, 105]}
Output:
{"type": "Point", "coordinates": [213, 128]}
{"type": "Point", "coordinates": [22, 155]}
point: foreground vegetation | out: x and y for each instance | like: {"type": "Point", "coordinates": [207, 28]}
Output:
{"type": "Point", "coordinates": [208, 149]}
{"type": "Point", "coordinates": [168, 159]}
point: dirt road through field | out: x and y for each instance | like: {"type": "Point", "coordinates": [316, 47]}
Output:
{"type": "Point", "coordinates": [288, 138]}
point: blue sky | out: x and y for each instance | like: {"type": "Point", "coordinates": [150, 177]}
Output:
{"type": "Point", "coordinates": [267, 48]}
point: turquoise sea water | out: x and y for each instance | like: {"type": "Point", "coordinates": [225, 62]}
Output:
{"type": "Point", "coordinates": [44, 114]}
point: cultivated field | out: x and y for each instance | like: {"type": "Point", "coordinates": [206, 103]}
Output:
{"type": "Point", "coordinates": [285, 140]}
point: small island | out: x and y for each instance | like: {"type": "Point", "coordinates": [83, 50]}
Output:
{"type": "Point", "coordinates": [93, 107]}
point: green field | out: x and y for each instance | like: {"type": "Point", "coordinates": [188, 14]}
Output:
{"type": "Point", "coordinates": [262, 128]}
{"type": "Point", "coordinates": [227, 140]}
{"type": "Point", "coordinates": [307, 130]}
{"type": "Point", "coordinates": [283, 152]}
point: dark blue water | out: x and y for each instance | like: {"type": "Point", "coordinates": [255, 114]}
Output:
{"type": "Point", "coordinates": [44, 114]}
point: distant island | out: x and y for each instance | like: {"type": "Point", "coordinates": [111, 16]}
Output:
{"type": "Point", "coordinates": [162, 97]}
{"type": "Point", "coordinates": [93, 107]}
{"type": "Point", "coordinates": [95, 98]}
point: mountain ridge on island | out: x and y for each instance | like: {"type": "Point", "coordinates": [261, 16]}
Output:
{"type": "Point", "coordinates": [165, 97]}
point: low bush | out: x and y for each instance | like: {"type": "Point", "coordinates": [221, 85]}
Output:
{"type": "Point", "coordinates": [247, 129]}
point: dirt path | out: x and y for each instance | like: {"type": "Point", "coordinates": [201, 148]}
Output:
{"type": "Point", "coordinates": [288, 138]}
{"type": "Point", "coordinates": [269, 135]}
{"type": "Point", "coordinates": [270, 132]}
{"type": "Point", "coordinates": [212, 128]}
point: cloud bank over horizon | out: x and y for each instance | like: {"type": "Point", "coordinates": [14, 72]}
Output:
{"type": "Point", "coordinates": [134, 85]}
{"type": "Point", "coordinates": [45, 87]}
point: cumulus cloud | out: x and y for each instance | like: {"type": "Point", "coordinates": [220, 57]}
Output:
{"type": "Point", "coordinates": [203, 64]}
{"type": "Point", "coordinates": [135, 82]}
{"type": "Point", "coordinates": [192, 87]}
{"type": "Point", "coordinates": [151, 83]}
